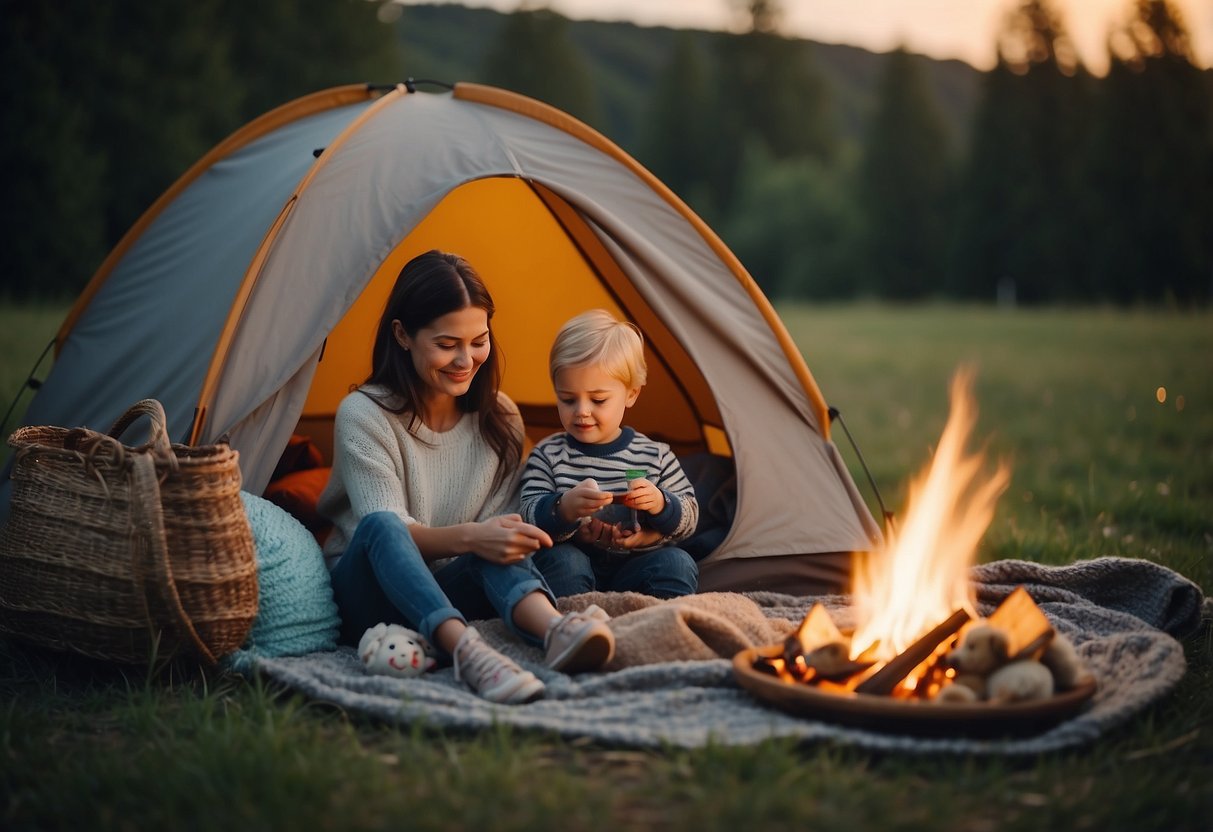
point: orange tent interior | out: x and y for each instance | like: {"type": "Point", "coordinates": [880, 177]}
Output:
{"type": "Point", "coordinates": [543, 265]}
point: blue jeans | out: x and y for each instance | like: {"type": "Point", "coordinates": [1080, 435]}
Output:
{"type": "Point", "coordinates": [382, 576]}
{"type": "Point", "coordinates": [668, 572]}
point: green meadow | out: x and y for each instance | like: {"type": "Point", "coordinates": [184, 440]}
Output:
{"type": "Point", "coordinates": [1105, 420]}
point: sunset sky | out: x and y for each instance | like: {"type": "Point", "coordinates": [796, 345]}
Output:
{"type": "Point", "coordinates": [962, 29]}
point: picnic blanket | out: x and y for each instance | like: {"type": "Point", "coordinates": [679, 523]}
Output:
{"type": "Point", "coordinates": [677, 688]}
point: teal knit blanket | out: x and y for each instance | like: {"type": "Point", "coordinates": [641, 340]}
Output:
{"type": "Point", "coordinates": [296, 612]}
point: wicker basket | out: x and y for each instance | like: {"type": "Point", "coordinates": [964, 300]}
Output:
{"type": "Point", "coordinates": [126, 553]}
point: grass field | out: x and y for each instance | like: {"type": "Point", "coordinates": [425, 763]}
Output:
{"type": "Point", "coordinates": [24, 335]}
{"type": "Point", "coordinates": [1103, 463]}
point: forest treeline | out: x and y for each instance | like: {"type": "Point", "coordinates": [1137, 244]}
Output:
{"type": "Point", "coordinates": [888, 176]}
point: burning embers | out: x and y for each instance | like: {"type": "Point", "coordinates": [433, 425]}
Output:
{"type": "Point", "coordinates": [915, 604]}
{"type": "Point", "coordinates": [1013, 656]}
{"type": "Point", "coordinates": [818, 654]}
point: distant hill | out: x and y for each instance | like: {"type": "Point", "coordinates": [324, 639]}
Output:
{"type": "Point", "coordinates": [449, 43]}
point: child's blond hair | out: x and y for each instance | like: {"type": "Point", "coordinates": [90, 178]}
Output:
{"type": "Point", "coordinates": [595, 337]}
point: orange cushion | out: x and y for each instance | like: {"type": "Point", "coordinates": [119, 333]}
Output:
{"type": "Point", "coordinates": [300, 454]}
{"type": "Point", "coordinates": [298, 493]}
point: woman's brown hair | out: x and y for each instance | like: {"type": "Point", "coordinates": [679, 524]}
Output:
{"type": "Point", "coordinates": [429, 286]}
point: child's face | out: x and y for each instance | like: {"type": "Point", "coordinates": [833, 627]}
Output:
{"type": "Point", "coordinates": [591, 403]}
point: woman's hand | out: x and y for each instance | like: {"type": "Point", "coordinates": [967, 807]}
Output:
{"type": "Point", "coordinates": [506, 539]}
{"type": "Point", "coordinates": [644, 496]}
{"type": "Point", "coordinates": [582, 500]}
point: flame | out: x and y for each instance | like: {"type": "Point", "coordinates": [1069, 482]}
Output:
{"type": "Point", "coordinates": [921, 576]}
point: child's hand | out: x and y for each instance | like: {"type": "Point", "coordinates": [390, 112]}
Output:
{"type": "Point", "coordinates": [644, 496]}
{"type": "Point", "coordinates": [613, 538]}
{"type": "Point", "coordinates": [596, 533]}
{"type": "Point", "coordinates": [582, 500]}
{"type": "Point", "coordinates": [628, 539]}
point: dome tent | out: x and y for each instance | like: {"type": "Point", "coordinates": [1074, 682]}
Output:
{"type": "Point", "coordinates": [245, 300]}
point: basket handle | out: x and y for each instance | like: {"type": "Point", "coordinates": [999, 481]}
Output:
{"type": "Point", "coordinates": [151, 408]}
{"type": "Point", "coordinates": [150, 549]}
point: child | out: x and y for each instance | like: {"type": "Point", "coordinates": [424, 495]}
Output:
{"type": "Point", "coordinates": [570, 481]}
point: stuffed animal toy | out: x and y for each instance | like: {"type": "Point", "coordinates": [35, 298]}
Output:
{"type": "Point", "coordinates": [1022, 680]}
{"type": "Point", "coordinates": [984, 672]}
{"type": "Point", "coordinates": [965, 687]}
{"type": "Point", "coordinates": [392, 650]}
{"type": "Point", "coordinates": [1062, 660]}
{"type": "Point", "coordinates": [983, 648]}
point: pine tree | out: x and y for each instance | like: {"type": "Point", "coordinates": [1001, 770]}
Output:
{"type": "Point", "coordinates": [678, 119]}
{"type": "Point", "coordinates": [53, 234]}
{"type": "Point", "coordinates": [128, 95]}
{"type": "Point", "coordinates": [905, 185]}
{"type": "Point", "coordinates": [1022, 218]}
{"type": "Point", "coordinates": [768, 90]}
{"type": "Point", "coordinates": [794, 226]}
{"type": "Point", "coordinates": [162, 92]}
{"type": "Point", "coordinates": [1151, 155]}
{"type": "Point", "coordinates": [533, 55]}
{"type": "Point", "coordinates": [283, 49]}
{"type": "Point", "coordinates": [110, 102]}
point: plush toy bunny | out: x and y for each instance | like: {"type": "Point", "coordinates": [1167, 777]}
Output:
{"type": "Point", "coordinates": [392, 650]}
{"type": "Point", "coordinates": [984, 670]}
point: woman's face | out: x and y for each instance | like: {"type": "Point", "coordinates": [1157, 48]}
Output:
{"type": "Point", "coordinates": [448, 350]}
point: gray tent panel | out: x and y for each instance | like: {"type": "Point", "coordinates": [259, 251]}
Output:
{"type": "Point", "coordinates": [152, 327]}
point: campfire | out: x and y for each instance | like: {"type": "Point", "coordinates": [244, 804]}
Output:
{"type": "Point", "coordinates": [918, 638]}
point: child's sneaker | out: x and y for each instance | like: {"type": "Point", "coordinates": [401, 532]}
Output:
{"type": "Point", "coordinates": [494, 676]}
{"type": "Point", "coordinates": [579, 641]}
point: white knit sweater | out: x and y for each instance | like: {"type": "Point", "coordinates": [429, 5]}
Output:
{"type": "Point", "coordinates": [435, 479]}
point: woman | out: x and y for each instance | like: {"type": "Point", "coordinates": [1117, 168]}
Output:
{"type": "Point", "coordinates": [426, 456]}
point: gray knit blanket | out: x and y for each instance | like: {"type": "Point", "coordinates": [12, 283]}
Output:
{"type": "Point", "coordinates": [1123, 615]}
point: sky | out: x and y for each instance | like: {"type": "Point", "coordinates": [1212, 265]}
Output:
{"type": "Point", "coordinates": [963, 29]}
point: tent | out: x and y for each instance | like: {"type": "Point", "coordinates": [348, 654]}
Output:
{"type": "Point", "coordinates": [245, 301]}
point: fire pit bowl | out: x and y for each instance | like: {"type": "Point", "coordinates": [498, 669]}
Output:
{"type": "Point", "coordinates": [906, 716]}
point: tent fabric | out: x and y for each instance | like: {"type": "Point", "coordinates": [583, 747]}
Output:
{"type": "Point", "coordinates": [235, 292]}
{"type": "Point", "coordinates": [182, 271]}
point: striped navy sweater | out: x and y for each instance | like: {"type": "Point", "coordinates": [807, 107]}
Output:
{"type": "Point", "coordinates": [560, 462]}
